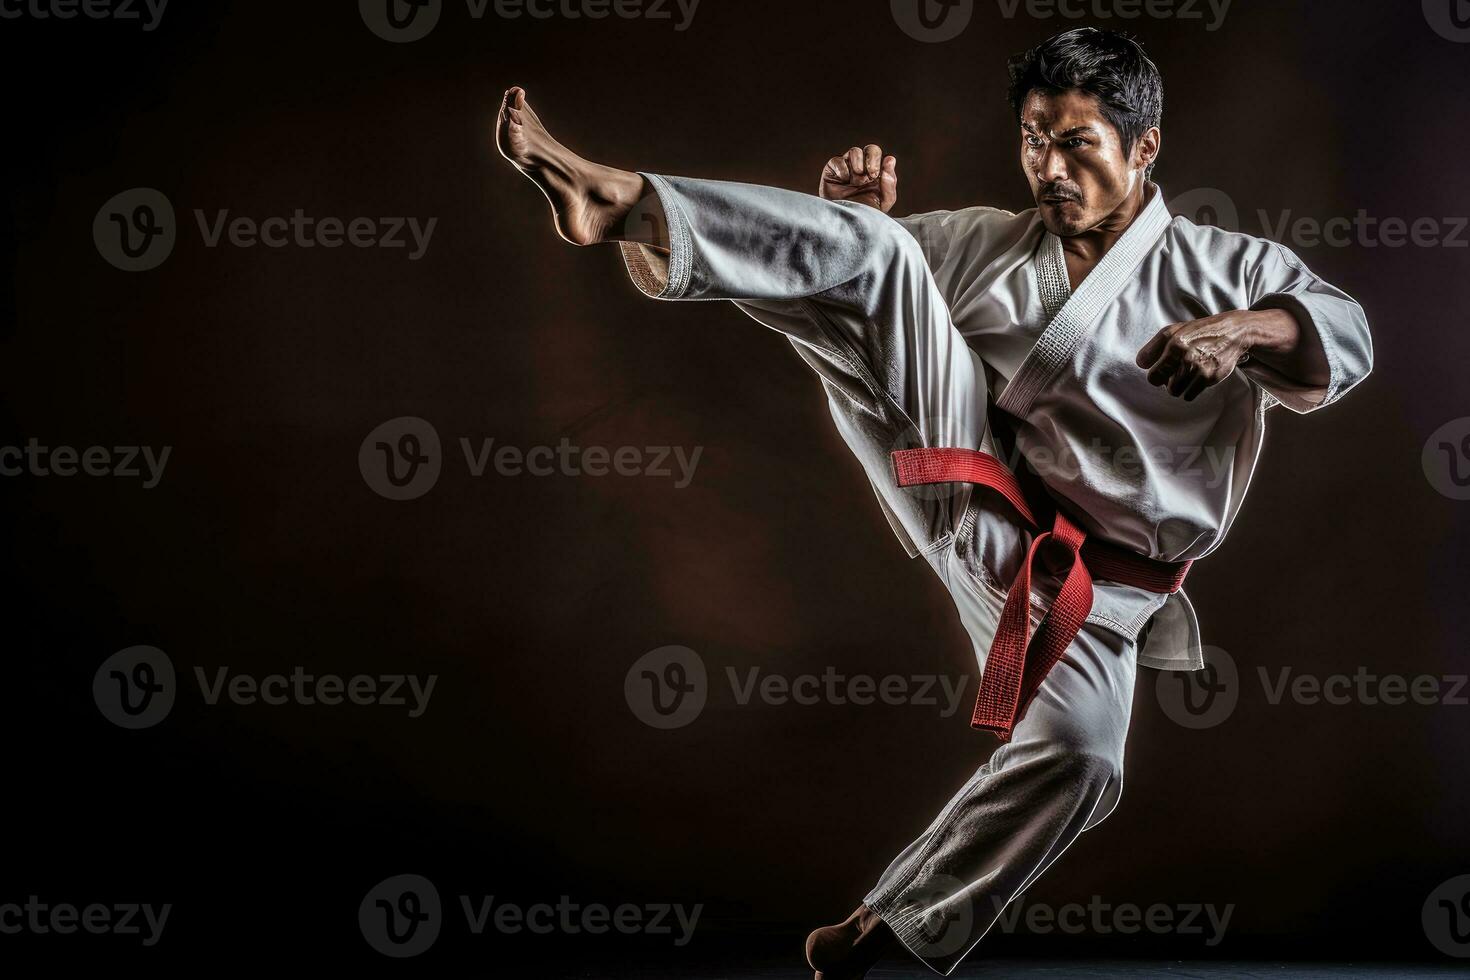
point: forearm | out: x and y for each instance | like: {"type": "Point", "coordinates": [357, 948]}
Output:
{"type": "Point", "coordinates": [1280, 340]}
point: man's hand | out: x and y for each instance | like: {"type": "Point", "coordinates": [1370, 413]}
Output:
{"type": "Point", "coordinates": [1187, 358]}
{"type": "Point", "coordinates": [863, 175]}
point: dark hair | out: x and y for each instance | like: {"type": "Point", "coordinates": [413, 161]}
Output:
{"type": "Point", "coordinates": [1105, 64]}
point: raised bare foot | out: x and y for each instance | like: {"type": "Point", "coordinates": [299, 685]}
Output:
{"type": "Point", "coordinates": [591, 203]}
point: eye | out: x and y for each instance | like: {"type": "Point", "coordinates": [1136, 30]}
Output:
{"type": "Point", "coordinates": [1033, 140]}
{"type": "Point", "coordinates": [1076, 143]}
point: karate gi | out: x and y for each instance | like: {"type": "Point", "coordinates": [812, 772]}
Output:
{"type": "Point", "coordinates": [915, 327]}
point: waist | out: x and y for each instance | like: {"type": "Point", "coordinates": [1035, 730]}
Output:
{"type": "Point", "coordinates": [1104, 559]}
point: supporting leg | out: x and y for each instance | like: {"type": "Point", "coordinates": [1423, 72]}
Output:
{"type": "Point", "coordinates": [1061, 774]}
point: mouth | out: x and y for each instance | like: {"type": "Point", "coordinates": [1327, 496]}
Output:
{"type": "Point", "coordinates": [1057, 201]}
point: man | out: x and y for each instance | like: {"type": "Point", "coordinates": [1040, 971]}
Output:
{"type": "Point", "coordinates": [1122, 361]}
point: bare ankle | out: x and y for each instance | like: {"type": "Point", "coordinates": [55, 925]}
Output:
{"type": "Point", "coordinates": [644, 221]}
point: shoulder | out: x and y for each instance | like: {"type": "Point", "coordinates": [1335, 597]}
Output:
{"type": "Point", "coordinates": [1223, 244]}
{"type": "Point", "coordinates": [974, 225]}
{"type": "Point", "coordinates": [977, 216]}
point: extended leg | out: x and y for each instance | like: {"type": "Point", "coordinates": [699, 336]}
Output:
{"type": "Point", "coordinates": [850, 288]}
{"type": "Point", "coordinates": [847, 284]}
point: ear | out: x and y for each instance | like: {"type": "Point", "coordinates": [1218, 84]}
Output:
{"type": "Point", "coordinates": [1146, 150]}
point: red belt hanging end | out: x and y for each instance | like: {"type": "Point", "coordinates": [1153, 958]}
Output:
{"type": "Point", "coordinates": [1016, 665]}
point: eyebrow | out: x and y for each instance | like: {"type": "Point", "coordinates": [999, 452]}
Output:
{"type": "Point", "coordinates": [1075, 130]}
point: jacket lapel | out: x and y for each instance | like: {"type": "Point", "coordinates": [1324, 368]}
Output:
{"type": "Point", "coordinates": [1082, 307]}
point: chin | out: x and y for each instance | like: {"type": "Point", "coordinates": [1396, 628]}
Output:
{"type": "Point", "coordinates": [1062, 227]}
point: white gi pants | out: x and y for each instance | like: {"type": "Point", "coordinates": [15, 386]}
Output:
{"type": "Point", "coordinates": [849, 286]}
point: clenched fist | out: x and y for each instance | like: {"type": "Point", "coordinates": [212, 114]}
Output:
{"type": "Point", "coordinates": [863, 175]}
{"type": "Point", "coordinates": [1186, 358]}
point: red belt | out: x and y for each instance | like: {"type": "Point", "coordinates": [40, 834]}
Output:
{"type": "Point", "coordinates": [1016, 667]}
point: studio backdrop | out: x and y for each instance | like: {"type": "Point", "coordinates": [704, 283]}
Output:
{"type": "Point", "coordinates": [358, 527]}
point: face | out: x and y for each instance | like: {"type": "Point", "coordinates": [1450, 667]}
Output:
{"type": "Point", "coordinates": [1080, 171]}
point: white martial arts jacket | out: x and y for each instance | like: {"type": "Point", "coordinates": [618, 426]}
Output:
{"type": "Point", "coordinates": [1137, 466]}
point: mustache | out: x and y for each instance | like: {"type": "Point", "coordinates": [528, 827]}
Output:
{"type": "Point", "coordinates": [1064, 192]}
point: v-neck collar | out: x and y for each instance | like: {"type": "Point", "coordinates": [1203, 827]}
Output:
{"type": "Point", "coordinates": [1073, 311]}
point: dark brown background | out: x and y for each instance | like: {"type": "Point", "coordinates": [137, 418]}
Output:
{"type": "Point", "coordinates": [529, 778]}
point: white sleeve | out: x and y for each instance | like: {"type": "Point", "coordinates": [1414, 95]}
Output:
{"type": "Point", "coordinates": [1277, 279]}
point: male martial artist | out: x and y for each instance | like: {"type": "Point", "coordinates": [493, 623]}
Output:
{"type": "Point", "coordinates": [1059, 409]}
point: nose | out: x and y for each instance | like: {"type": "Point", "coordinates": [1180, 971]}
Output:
{"type": "Point", "coordinates": [1051, 166]}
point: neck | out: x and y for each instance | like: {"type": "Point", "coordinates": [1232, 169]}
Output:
{"type": "Point", "coordinates": [1094, 243]}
